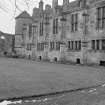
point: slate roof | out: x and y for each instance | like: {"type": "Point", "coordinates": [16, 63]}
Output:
{"type": "Point", "coordinates": [24, 14]}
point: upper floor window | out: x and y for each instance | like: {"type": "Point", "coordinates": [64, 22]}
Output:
{"type": "Point", "coordinates": [100, 18]}
{"type": "Point", "coordinates": [55, 26]}
{"type": "Point", "coordinates": [41, 29]}
{"type": "Point", "coordinates": [46, 19]}
{"type": "Point", "coordinates": [30, 31]}
{"type": "Point", "coordinates": [74, 22]}
{"type": "Point", "coordinates": [34, 29]}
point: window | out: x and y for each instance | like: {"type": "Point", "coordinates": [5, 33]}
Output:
{"type": "Point", "coordinates": [52, 45]}
{"type": "Point", "coordinates": [97, 44]}
{"type": "Point", "coordinates": [34, 29]}
{"type": "Point", "coordinates": [40, 47]}
{"type": "Point", "coordinates": [57, 45]}
{"type": "Point", "coordinates": [79, 45]}
{"type": "Point", "coordinates": [69, 45]}
{"type": "Point", "coordinates": [103, 44]}
{"type": "Point", "coordinates": [93, 44]}
{"type": "Point", "coordinates": [55, 26]}
{"type": "Point", "coordinates": [41, 28]}
{"type": "Point", "coordinates": [74, 22]}
{"type": "Point", "coordinates": [30, 31]}
{"type": "Point", "coordinates": [29, 47]}
{"type": "Point", "coordinates": [46, 18]}
{"type": "Point", "coordinates": [100, 18]}
{"type": "Point", "coordinates": [74, 45]}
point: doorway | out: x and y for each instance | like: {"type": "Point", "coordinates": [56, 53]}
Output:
{"type": "Point", "coordinates": [78, 61]}
{"type": "Point", "coordinates": [40, 58]}
{"type": "Point", "coordinates": [55, 59]}
{"type": "Point", "coordinates": [102, 63]}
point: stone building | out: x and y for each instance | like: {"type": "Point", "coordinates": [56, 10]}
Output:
{"type": "Point", "coordinates": [73, 31]}
{"type": "Point", "coordinates": [21, 32]}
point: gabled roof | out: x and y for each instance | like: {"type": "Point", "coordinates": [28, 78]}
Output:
{"type": "Point", "coordinates": [24, 14]}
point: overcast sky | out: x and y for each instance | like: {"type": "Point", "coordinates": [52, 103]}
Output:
{"type": "Point", "coordinates": [7, 21]}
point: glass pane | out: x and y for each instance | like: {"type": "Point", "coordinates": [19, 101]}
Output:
{"type": "Point", "coordinates": [103, 44]}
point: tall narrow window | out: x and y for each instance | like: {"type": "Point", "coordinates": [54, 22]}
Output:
{"type": "Point", "coordinates": [79, 45]}
{"type": "Point", "coordinates": [72, 45]}
{"type": "Point", "coordinates": [52, 46]}
{"type": "Point", "coordinates": [103, 44]}
{"type": "Point", "coordinates": [55, 26]}
{"type": "Point", "coordinates": [69, 45]}
{"type": "Point", "coordinates": [41, 28]}
{"type": "Point", "coordinates": [93, 44]}
{"type": "Point", "coordinates": [103, 17]}
{"type": "Point", "coordinates": [76, 45]}
{"type": "Point", "coordinates": [30, 31]}
{"type": "Point", "coordinates": [74, 22]}
{"type": "Point", "coordinates": [100, 17]}
{"type": "Point", "coordinates": [97, 44]}
{"type": "Point", "coordinates": [57, 45]}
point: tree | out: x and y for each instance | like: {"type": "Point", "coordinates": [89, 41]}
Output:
{"type": "Point", "coordinates": [17, 6]}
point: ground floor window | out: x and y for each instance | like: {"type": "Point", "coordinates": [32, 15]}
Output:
{"type": "Point", "coordinates": [54, 46]}
{"type": "Point", "coordinates": [57, 45]}
{"type": "Point", "coordinates": [29, 47]}
{"type": "Point", "coordinates": [93, 44]}
{"type": "Point", "coordinates": [40, 46]}
{"type": "Point", "coordinates": [98, 44]}
{"type": "Point", "coordinates": [74, 45]}
{"type": "Point", "coordinates": [103, 44]}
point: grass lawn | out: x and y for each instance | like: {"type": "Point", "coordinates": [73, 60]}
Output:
{"type": "Point", "coordinates": [22, 77]}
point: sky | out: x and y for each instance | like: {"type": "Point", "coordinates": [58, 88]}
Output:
{"type": "Point", "coordinates": [8, 14]}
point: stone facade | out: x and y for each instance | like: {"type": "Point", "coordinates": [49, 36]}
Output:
{"type": "Point", "coordinates": [74, 32]}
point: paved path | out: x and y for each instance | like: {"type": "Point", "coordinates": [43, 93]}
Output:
{"type": "Point", "coordinates": [23, 78]}
{"type": "Point", "coordinates": [87, 96]}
